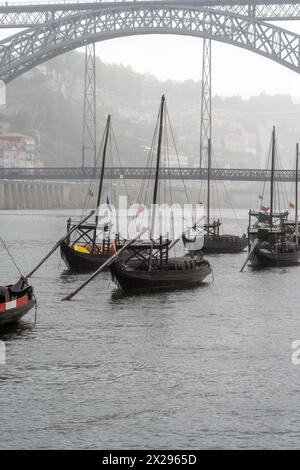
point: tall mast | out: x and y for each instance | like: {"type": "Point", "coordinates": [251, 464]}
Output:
{"type": "Point", "coordinates": [160, 136]}
{"type": "Point", "coordinates": [107, 129]}
{"type": "Point", "coordinates": [272, 177]}
{"type": "Point", "coordinates": [296, 196]}
{"type": "Point", "coordinates": [208, 181]}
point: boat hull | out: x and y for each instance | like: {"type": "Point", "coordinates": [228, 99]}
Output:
{"type": "Point", "coordinates": [15, 314]}
{"type": "Point", "coordinates": [222, 245]}
{"type": "Point", "coordinates": [134, 281]}
{"type": "Point", "coordinates": [261, 258]}
{"type": "Point", "coordinates": [82, 262]}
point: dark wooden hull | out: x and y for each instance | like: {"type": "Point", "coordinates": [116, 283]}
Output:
{"type": "Point", "coordinates": [15, 314]}
{"type": "Point", "coordinates": [261, 259]}
{"type": "Point", "coordinates": [134, 281]}
{"type": "Point", "coordinates": [82, 262]}
{"type": "Point", "coordinates": [223, 245]}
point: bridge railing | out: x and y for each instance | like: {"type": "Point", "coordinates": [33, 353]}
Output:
{"type": "Point", "coordinates": [65, 2]}
{"type": "Point", "coordinates": [82, 2]}
{"type": "Point", "coordinates": [137, 173]}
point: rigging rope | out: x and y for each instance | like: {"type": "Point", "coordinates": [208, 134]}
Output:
{"type": "Point", "coordinates": [7, 250]}
{"type": "Point", "coordinates": [175, 147]}
{"type": "Point", "coordinates": [92, 180]}
{"type": "Point", "coordinates": [114, 140]}
{"type": "Point", "coordinates": [263, 185]}
{"type": "Point", "coordinates": [281, 185]}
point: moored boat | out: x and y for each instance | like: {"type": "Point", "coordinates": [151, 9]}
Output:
{"type": "Point", "coordinates": [273, 239]}
{"type": "Point", "coordinates": [214, 241]}
{"type": "Point", "coordinates": [80, 259]}
{"type": "Point", "coordinates": [147, 265]}
{"type": "Point", "coordinates": [137, 271]}
{"type": "Point", "coordinates": [92, 244]}
{"type": "Point", "coordinates": [272, 247]}
{"type": "Point", "coordinates": [217, 243]}
{"type": "Point", "coordinates": [16, 300]}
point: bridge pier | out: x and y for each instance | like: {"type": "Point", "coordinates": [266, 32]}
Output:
{"type": "Point", "coordinates": [41, 194]}
{"type": "Point", "coordinates": [71, 195]}
{"type": "Point", "coordinates": [32, 194]}
{"type": "Point", "coordinates": [52, 191]}
{"type": "Point", "coordinates": [15, 195]}
{"type": "Point", "coordinates": [206, 112]}
{"type": "Point", "coordinates": [48, 196]}
{"type": "Point", "coordinates": [2, 193]}
{"type": "Point", "coordinates": [7, 196]}
{"type": "Point", "coordinates": [56, 193]}
{"type": "Point", "coordinates": [21, 188]}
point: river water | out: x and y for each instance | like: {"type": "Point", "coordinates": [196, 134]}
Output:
{"type": "Point", "coordinates": [204, 368]}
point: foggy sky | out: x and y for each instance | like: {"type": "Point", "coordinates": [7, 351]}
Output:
{"type": "Point", "coordinates": [235, 71]}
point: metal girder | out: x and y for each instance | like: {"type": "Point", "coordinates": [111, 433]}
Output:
{"type": "Point", "coordinates": [33, 46]}
{"type": "Point", "coordinates": [26, 15]}
{"type": "Point", "coordinates": [205, 125]}
{"type": "Point", "coordinates": [89, 139]}
{"type": "Point", "coordinates": [138, 173]}
{"type": "Point", "coordinates": [266, 12]}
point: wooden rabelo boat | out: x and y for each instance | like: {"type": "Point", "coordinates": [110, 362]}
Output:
{"type": "Point", "coordinates": [146, 265]}
{"type": "Point", "coordinates": [84, 253]}
{"type": "Point", "coordinates": [214, 241]}
{"type": "Point", "coordinates": [91, 245]}
{"type": "Point", "coordinates": [273, 238]}
{"type": "Point", "coordinates": [15, 301]}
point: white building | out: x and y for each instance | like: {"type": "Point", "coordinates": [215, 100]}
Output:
{"type": "Point", "coordinates": [17, 151]}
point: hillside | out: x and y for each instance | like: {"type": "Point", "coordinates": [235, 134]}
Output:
{"type": "Point", "coordinates": [47, 102]}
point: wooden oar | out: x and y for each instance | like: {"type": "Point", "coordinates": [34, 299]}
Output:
{"type": "Point", "coordinates": [250, 253]}
{"type": "Point", "coordinates": [57, 245]}
{"type": "Point", "coordinates": [104, 265]}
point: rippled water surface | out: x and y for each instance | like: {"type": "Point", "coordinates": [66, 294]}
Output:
{"type": "Point", "coordinates": [203, 368]}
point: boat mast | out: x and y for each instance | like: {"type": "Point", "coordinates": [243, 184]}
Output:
{"type": "Point", "coordinates": [160, 136]}
{"type": "Point", "coordinates": [107, 129]}
{"type": "Point", "coordinates": [208, 182]}
{"type": "Point", "coordinates": [272, 178]}
{"type": "Point", "coordinates": [296, 196]}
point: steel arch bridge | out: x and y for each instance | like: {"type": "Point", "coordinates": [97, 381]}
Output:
{"type": "Point", "coordinates": [20, 15]}
{"type": "Point", "coordinates": [31, 47]}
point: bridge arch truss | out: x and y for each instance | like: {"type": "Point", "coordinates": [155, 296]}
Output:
{"type": "Point", "coordinates": [31, 47]}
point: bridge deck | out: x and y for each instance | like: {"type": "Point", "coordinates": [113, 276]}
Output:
{"type": "Point", "coordinates": [20, 15]}
{"type": "Point", "coordinates": [139, 173]}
